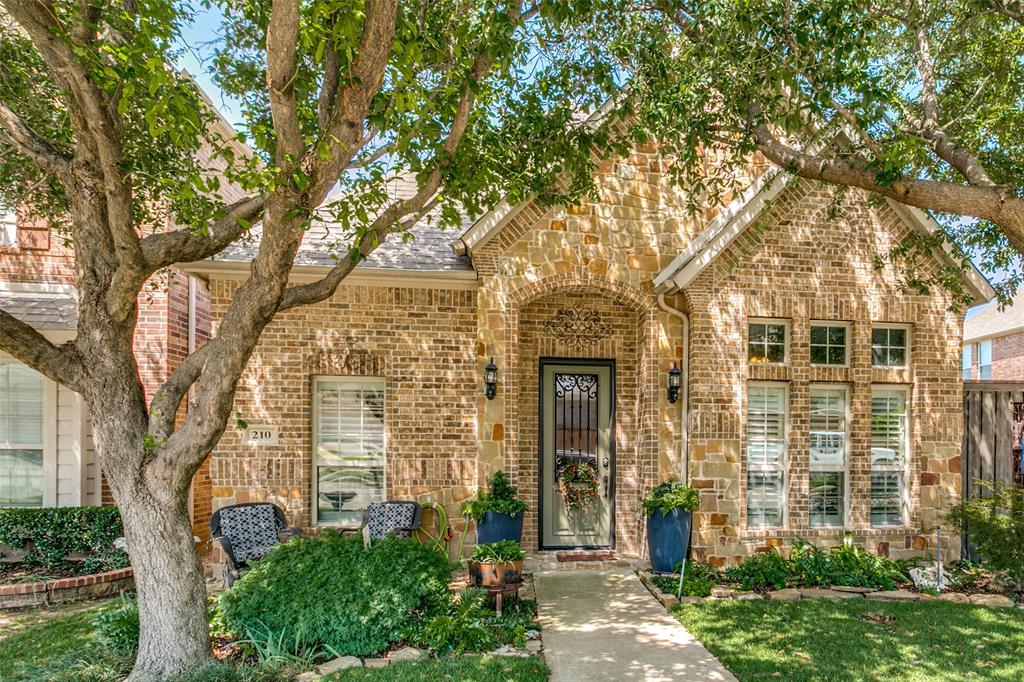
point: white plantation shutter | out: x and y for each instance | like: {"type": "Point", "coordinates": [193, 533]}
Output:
{"type": "Point", "coordinates": [766, 454]}
{"type": "Point", "coordinates": [21, 436]}
{"type": "Point", "coordinates": [828, 442]}
{"type": "Point", "coordinates": [349, 447]}
{"type": "Point", "coordinates": [888, 455]}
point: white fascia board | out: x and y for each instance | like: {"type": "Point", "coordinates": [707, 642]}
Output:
{"type": "Point", "coordinates": [915, 217]}
{"type": "Point", "coordinates": [721, 231]}
{"type": "Point", "coordinates": [381, 277]}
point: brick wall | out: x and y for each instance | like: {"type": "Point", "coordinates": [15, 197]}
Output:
{"type": "Point", "coordinates": [1007, 358]}
{"type": "Point", "coordinates": [421, 341]}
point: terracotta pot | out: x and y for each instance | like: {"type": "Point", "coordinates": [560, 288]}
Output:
{"type": "Point", "coordinates": [495, 574]}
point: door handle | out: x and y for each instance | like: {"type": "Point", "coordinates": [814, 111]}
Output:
{"type": "Point", "coordinates": [606, 491]}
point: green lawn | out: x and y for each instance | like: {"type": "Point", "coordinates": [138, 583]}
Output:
{"type": "Point", "coordinates": [854, 640]}
{"type": "Point", "coordinates": [464, 669]}
{"type": "Point", "coordinates": [44, 646]}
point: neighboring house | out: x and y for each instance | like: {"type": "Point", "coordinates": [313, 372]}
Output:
{"type": "Point", "coordinates": [994, 343]}
{"type": "Point", "coordinates": [817, 396]}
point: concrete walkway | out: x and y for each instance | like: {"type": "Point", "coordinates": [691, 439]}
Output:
{"type": "Point", "coordinates": [600, 626]}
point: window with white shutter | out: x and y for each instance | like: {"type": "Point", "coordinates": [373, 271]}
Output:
{"type": "Point", "coordinates": [766, 455]}
{"type": "Point", "coordinates": [21, 436]}
{"type": "Point", "coordinates": [828, 458]}
{"type": "Point", "coordinates": [889, 445]}
{"type": "Point", "coordinates": [8, 229]}
{"type": "Point", "coordinates": [348, 447]}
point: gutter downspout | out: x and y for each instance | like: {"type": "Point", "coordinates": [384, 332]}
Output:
{"type": "Point", "coordinates": [684, 440]}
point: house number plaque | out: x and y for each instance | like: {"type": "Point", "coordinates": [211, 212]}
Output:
{"type": "Point", "coordinates": [261, 435]}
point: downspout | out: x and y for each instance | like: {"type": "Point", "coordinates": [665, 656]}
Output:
{"type": "Point", "coordinates": [684, 440]}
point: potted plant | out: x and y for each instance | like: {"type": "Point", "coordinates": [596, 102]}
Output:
{"type": "Point", "coordinates": [498, 513]}
{"type": "Point", "coordinates": [669, 508]}
{"type": "Point", "coordinates": [496, 563]}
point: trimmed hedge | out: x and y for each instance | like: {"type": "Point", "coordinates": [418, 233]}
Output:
{"type": "Point", "coordinates": [56, 532]}
{"type": "Point", "coordinates": [330, 593]}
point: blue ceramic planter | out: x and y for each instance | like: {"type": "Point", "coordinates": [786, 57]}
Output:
{"type": "Point", "coordinates": [495, 527]}
{"type": "Point", "coordinates": [668, 538]}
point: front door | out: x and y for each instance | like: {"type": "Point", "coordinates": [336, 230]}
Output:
{"type": "Point", "coordinates": [577, 427]}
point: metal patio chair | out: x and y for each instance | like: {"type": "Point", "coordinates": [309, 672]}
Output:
{"type": "Point", "coordinates": [394, 517]}
{"type": "Point", "coordinates": [247, 532]}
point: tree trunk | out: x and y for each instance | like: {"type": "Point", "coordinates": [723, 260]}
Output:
{"type": "Point", "coordinates": [174, 632]}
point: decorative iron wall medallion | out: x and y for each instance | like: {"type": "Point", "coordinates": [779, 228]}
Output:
{"type": "Point", "coordinates": [577, 327]}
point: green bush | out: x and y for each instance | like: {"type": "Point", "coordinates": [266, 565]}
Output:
{"type": "Point", "coordinates": [994, 523]}
{"type": "Point", "coordinates": [466, 623]}
{"type": "Point", "coordinates": [498, 552]}
{"type": "Point", "coordinates": [329, 593]}
{"type": "Point", "coordinates": [500, 497]}
{"type": "Point", "coordinates": [699, 580]}
{"type": "Point", "coordinates": [846, 565]}
{"type": "Point", "coordinates": [762, 571]}
{"type": "Point", "coordinates": [669, 495]}
{"type": "Point", "coordinates": [56, 532]}
{"type": "Point", "coordinates": [117, 628]}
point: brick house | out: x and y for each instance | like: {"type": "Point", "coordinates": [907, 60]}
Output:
{"type": "Point", "coordinates": [994, 343]}
{"type": "Point", "coordinates": [817, 396]}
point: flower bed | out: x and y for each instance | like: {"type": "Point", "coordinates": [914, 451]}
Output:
{"type": "Point", "coordinates": [68, 589]}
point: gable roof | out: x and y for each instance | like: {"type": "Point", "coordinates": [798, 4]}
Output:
{"type": "Point", "coordinates": [991, 321]}
{"type": "Point", "coordinates": [749, 206]}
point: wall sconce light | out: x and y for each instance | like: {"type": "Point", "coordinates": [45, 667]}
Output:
{"type": "Point", "coordinates": [675, 380]}
{"type": "Point", "coordinates": [490, 380]}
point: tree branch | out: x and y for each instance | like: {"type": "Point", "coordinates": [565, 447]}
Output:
{"type": "Point", "coordinates": [163, 408]}
{"type": "Point", "coordinates": [162, 249]}
{"type": "Point", "coordinates": [282, 49]}
{"type": "Point", "coordinates": [14, 132]}
{"type": "Point", "coordinates": [993, 203]}
{"type": "Point", "coordinates": [35, 350]}
{"type": "Point", "coordinates": [1013, 9]}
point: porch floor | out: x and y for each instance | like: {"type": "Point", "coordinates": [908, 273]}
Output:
{"type": "Point", "coordinates": [604, 625]}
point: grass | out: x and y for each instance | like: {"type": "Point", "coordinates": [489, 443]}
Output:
{"type": "Point", "coordinates": [855, 640]}
{"type": "Point", "coordinates": [462, 669]}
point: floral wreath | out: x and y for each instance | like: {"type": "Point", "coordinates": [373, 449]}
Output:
{"type": "Point", "coordinates": [577, 483]}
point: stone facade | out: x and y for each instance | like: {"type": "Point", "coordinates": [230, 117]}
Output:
{"type": "Point", "coordinates": [811, 255]}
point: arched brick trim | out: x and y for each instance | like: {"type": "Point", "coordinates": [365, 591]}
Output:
{"type": "Point", "coordinates": [618, 292]}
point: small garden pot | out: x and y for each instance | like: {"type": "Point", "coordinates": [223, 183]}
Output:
{"type": "Point", "coordinates": [495, 527]}
{"type": "Point", "coordinates": [495, 574]}
{"type": "Point", "coordinates": [668, 538]}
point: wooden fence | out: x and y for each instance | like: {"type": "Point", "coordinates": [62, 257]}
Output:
{"type": "Point", "coordinates": [993, 426]}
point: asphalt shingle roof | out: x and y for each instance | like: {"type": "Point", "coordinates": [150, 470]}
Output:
{"type": "Point", "coordinates": [993, 322]}
{"type": "Point", "coordinates": [42, 311]}
{"type": "Point", "coordinates": [429, 249]}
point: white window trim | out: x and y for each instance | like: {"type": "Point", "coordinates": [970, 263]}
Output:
{"type": "Point", "coordinates": [783, 465]}
{"type": "Point", "coordinates": [989, 365]}
{"type": "Point", "coordinates": [49, 443]}
{"type": "Point", "coordinates": [905, 470]}
{"type": "Point", "coordinates": [831, 323]}
{"type": "Point", "coordinates": [909, 340]}
{"type": "Point", "coordinates": [787, 330]}
{"type": "Point", "coordinates": [8, 230]}
{"type": "Point", "coordinates": [967, 356]}
{"type": "Point", "coordinates": [845, 469]}
{"type": "Point", "coordinates": [315, 422]}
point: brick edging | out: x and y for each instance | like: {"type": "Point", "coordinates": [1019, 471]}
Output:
{"type": "Point", "coordinates": [62, 589]}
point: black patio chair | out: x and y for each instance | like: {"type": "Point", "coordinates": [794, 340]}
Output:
{"type": "Point", "coordinates": [247, 532]}
{"type": "Point", "coordinates": [394, 517]}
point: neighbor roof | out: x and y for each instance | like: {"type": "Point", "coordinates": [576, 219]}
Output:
{"type": "Point", "coordinates": [43, 311]}
{"type": "Point", "coordinates": [992, 321]}
{"type": "Point", "coordinates": [428, 250]}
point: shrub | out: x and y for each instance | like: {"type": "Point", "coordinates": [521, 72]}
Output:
{"type": "Point", "coordinates": [846, 565]}
{"type": "Point", "coordinates": [466, 623]}
{"type": "Point", "coordinates": [994, 522]}
{"type": "Point", "coordinates": [762, 571]}
{"type": "Point", "coordinates": [669, 495]}
{"type": "Point", "coordinates": [117, 628]}
{"type": "Point", "coordinates": [56, 532]}
{"type": "Point", "coordinates": [498, 552]}
{"type": "Point", "coordinates": [500, 497]}
{"type": "Point", "coordinates": [329, 593]}
{"type": "Point", "coordinates": [699, 580]}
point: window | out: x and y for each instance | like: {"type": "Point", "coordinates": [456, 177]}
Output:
{"type": "Point", "coordinates": [766, 454]}
{"type": "Point", "coordinates": [888, 455]}
{"type": "Point", "coordinates": [889, 346]}
{"type": "Point", "coordinates": [8, 229]}
{"type": "Point", "coordinates": [349, 447]}
{"type": "Point", "coordinates": [828, 344]}
{"type": "Point", "coordinates": [828, 437]}
{"type": "Point", "coordinates": [21, 436]}
{"type": "Point", "coordinates": [966, 363]}
{"type": "Point", "coordinates": [985, 360]}
{"type": "Point", "coordinates": [766, 341]}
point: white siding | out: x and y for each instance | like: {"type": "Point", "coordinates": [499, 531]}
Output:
{"type": "Point", "coordinates": [69, 465]}
{"type": "Point", "coordinates": [91, 476]}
